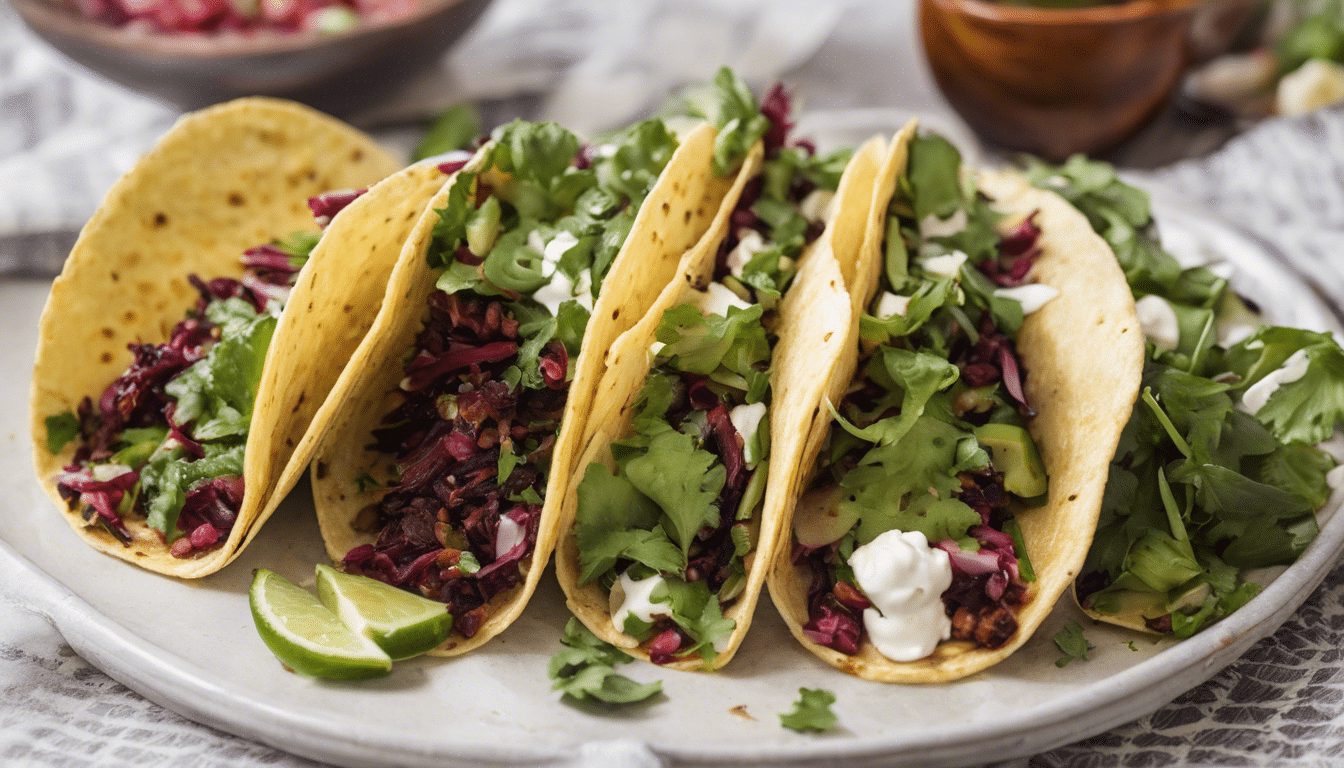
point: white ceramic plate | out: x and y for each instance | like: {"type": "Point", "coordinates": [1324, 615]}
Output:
{"type": "Point", "coordinates": [191, 647]}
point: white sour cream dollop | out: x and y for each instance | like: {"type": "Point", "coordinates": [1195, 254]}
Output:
{"type": "Point", "coordinates": [904, 578]}
{"type": "Point", "coordinates": [637, 602]}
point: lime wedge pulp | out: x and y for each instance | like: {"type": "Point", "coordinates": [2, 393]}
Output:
{"type": "Point", "coordinates": [401, 623]}
{"type": "Point", "coordinates": [307, 637]}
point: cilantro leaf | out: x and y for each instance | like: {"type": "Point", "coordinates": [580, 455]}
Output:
{"type": "Point", "coordinates": [682, 479]}
{"type": "Point", "coordinates": [537, 152]}
{"type": "Point", "coordinates": [698, 612]}
{"type": "Point", "coordinates": [914, 472]}
{"type": "Point", "coordinates": [584, 670]}
{"type": "Point", "coordinates": [1070, 640]}
{"type": "Point", "coordinates": [811, 712]}
{"type": "Point", "coordinates": [61, 429]}
{"type": "Point", "coordinates": [612, 515]}
{"type": "Point", "coordinates": [451, 228]}
{"type": "Point", "coordinates": [637, 157]}
{"type": "Point", "coordinates": [454, 129]}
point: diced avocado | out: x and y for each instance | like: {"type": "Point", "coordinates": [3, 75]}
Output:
{"type": "Point", "coordinates": [1016, 457]}
{"type": "Point", "coordinates": [483, 227]}
{"type": "Point", "coordinates": [1134, 605]}
{"type": "Point", "coordinates": [1189, 595]}
{"type": "Point", "coordinates": [818, 520]}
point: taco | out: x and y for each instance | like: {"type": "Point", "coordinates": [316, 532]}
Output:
{"type": "Point", "coordinates": [955, 498]}
{"type": "Point", "coordinates": [681, 489]}
{"type": "Point", "coordinates": [175, 464]}
{"type": "Point", "coordinates": [1219, 475]}
{"type": "Point", "coordinates": [462, 411]}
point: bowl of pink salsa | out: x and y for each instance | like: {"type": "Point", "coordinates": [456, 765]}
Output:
{"type": "Point", "coordinates": [334, 54]}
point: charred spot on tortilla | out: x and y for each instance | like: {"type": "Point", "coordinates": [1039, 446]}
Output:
{"type": "Point", "coordinates": [108, 333]}
{"type": "Point", "coordinates": [320, 468]}
{"type": "Point", "coordinates": [106, 357]}
{"type": "Point", "coordinates": [615, 313]}
{"type": "Point", "coordinates": [236, 199]}
{"type": "Point", "coordinates": [160, 219]}
{"type": "Point", "coordinates": [346, 309]}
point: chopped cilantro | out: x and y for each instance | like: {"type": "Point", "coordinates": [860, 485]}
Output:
{"type": "Point", "coordinates": [1070, 640]}
{"type": "Point", "coordinates": [584, 670]}
{"type": "Point", "coordinates": [61, 429]}
{"type": "Point", "coordinates": [364, 481]}
{"type": "Point", "coordinates": [454, 129]}
{"type": "Point", "coordinates": [811, 712]}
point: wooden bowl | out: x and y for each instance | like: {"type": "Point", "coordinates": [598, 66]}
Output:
{"type": "Point", "coordinates": [336, 72]}
{"type": "Point", "coordinates": [1056, 81]}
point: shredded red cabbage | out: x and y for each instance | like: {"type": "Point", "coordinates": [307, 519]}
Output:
{"type": "Point", "coordinates": [447, 434]}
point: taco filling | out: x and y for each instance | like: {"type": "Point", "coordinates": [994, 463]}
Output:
{"type": "Point", "coordinates": [907, 527]}
{"type": "Point", "coordinates": [670, 535]}
{"type": "Point", "coordinates": [165, 441]}
{"type": "Point", "coordinates": [1218, 471]}
{"type": "Point", "coordinates": [531, 227]}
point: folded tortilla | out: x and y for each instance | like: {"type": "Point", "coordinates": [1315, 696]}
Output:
{"type": "Point", "coordinates": [797, 370]}
{"type": "Point", "coordinates": [221, 181]}
{"type": "Point", "coordinates": [1084, 352]}
{"type": "Point", "coordinates": [686, 201]}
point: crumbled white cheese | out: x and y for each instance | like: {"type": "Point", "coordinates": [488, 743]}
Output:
{"type": "Point", "coordinates": [716, 299]}
{"type": "Point", "coordinates": [891, 305]}
{"type": "Point", "coordinates": [561, 289]}
{"type": "Point", "coordinates": [817, 205]}
{"type": "Point", "coordinates": [105, 472]}
{"type": "Point", "coordinates": [947, 265]}
{"type": "Point", "coordinates": [1158, 321]}
{"type": "Point", "coordinates": [751, 244]}
{"type": "Point", "coordinates": [1257, 395]}
{"type": "Point", "coordinates": [932, 226]}
{"type": "Point", "coordinates": [1032, 296]}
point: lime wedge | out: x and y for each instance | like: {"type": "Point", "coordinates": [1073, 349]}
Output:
{"type": "Point", "coordinates": [307, 637]}
{"type": "Point", "coordinates": [401, 623]}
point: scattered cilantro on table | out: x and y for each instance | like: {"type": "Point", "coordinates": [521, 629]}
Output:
{"type": "Point", "coordinates": [585, 670]}
{"type": "Point", "coordinates": [811, 712]}
{"type": "Point", "coordinates": [1070, 640]}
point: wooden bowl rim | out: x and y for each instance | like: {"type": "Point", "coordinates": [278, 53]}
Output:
{"type": "Point", "coordinates": [1094, 15]}
{"type": "Point", "coordinates": [46, 16]}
